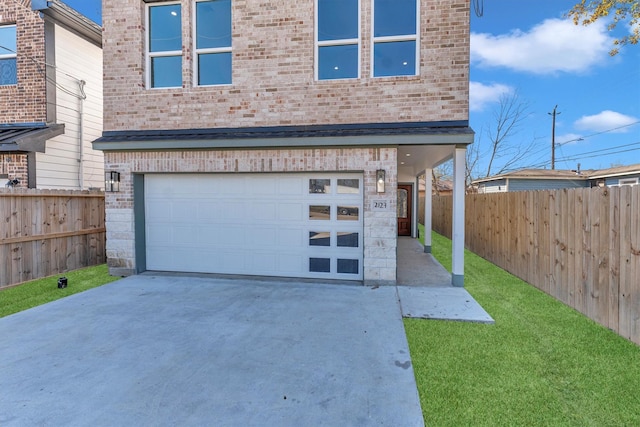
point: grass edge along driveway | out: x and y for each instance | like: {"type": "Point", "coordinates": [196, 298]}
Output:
{"type": "Point", "coordinates": [541, 364]}
{"type": "Point", "coordinates": [42, 291]}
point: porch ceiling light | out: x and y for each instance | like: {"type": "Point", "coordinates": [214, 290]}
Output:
{"type": "Point", "coordinates": [380, 178]}
{"type": "Point", "coordinates": [112, 181]}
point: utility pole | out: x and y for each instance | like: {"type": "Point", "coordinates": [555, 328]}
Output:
{"type": "Point", "coordinates": [553, 137]}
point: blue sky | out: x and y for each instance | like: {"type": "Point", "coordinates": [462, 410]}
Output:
{"type": "Point", "coordinates": [527, 47]}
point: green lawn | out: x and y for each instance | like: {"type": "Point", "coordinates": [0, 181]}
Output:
{"type": "Point", "coordinates": [45, 290]}
{"type": "Point", "coordinates": [541, 364]}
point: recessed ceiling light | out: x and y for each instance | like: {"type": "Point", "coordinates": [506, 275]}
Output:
{"type": "Point", "coordinates": [336, 68]}
{"type": "Point", "coordinates": [174, 13]}
{"type": "Point", "coordinates": [402, 163]}
{"type": "Point", "coordinates": [408, 154]}
{"type": "Point", "coordinates": [405, 63]}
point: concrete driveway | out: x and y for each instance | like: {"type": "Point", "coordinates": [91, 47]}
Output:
{"type": "Point", "coordinates": [154, 350]}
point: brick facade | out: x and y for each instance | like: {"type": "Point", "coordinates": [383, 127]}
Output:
{"type": "Point", "coordinates": [379, 227]}
{"type": "Point", "coordinates": [273, 84]}
{"type": "Point", "coordinates": [273, 72]}
{"type": "Point", "coordinates": [25, 102]}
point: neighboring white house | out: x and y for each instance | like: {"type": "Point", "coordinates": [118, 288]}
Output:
{"type": "Point", "coordinates": [51, 103]}
{"type": "Point", "coordinates": [556, 179]}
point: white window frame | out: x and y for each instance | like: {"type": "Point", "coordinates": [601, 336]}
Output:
{"type": "Point", "coordinates": [341, 42]}
{"type": "Point", "coordinates": [198, 52]}
{"type": "Point", "coordinates": [387, 39]}
{"type": "Point", "coordinates": [628, 181]}
{"type": "Point", "coordinates": [150, 55]}
{"type": "Point", "coordinates": [13, 55]}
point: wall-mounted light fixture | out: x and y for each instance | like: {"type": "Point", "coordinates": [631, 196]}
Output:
{"type": "Point", "coordinates": [112, 181]}
{"type": "Point", "coordinates": [380, 178]}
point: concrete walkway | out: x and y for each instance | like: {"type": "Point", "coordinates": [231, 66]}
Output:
{"type": "Point", "coordinates": [425, 290]}
{"type": "Point", "coordinates": [156, 350]}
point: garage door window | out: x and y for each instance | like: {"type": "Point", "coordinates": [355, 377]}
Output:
{"type": "Point", "coordinates": [320, 265]}
{"type": "Point", "coordinates": [348, 240]}
{"type": "Point", "coordinates": [319, 212]}
{"type": "Point", "coordinates": [348, 266]}
{"type": "Point", "coordinates": [319, 238]}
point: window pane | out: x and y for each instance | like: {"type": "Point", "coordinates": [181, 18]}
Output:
{"type": "Point", "coordinates": [165, 28]}
{"type": "Point", "coordinates": [319, 212]}
{"type": "Point", "coordinates": [319, 186]}
{"type": "Point", "coordinates": [8, 40]}
{"type": "Point", "coordinates": [213, 21]}
{"type": "Point", "coordinates": [348, 186]}
{"type": "Point", "coordinates": [214, 69]}
{"type": "Point", "coordinates": [395, 17]}
{"type": "Point", "coordinates": [320, 265]}
{"type": "Point", "coordinates": [348, 213]}
{"type": "Point", "coordinates": [403, 203]}
{"type": "Point", "coordinates": [337, 19]}
{"type": "Point", "coordinates": [319, 238]}
{"type": "Point", "coordinates": [349, 266]}
{"type": "Point", "coordinates": [8, 73]}
{"type": "Point", "coordinates": [338, 62]}
{"type": "Point", "coordinates": [166, 71]}
{"type": "Point", "coordinates": [348, 240]}
{"type": "Point", "coordinates": [394, 59]}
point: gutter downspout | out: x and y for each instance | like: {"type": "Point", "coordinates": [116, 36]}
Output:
{"type": "Point", "coordinates": [82, 97]}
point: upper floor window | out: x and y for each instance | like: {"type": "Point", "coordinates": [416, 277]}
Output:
{"type": "Point", "coordinates": [164, 45]}
{"type": "Point", "coordinates": [8, 69]}
{"type": "Point", "coordinates": [213, 42]}
{"type": "Point", "coordinates": [395, 40]}
{"type": "Point", "coordinates": [337, 39]}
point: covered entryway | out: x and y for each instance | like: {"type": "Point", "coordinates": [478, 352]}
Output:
{"type": "Point", "coordinates": [269, 224]}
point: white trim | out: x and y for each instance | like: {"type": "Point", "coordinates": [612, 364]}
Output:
{"type": "Point", "coordinates": [388, 39]}
{"type": "Point", "coordinates": [428, 206]}
{"type": "Point", "coordinates": [197, 52]}
{"type": "Point", "coordinates": [342, 42]}
{"type": "Point", "coordinates": [149, 55]}
{"type": "Point", "coordinates": [457, 234]}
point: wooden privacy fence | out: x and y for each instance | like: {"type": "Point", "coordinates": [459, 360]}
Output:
{"type": "Point", "coordinates": [46, 232]}
{"type": "Point", "coordinates": [581, 246]}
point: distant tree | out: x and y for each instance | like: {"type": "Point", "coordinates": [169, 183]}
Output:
{"type": "Point", "coordinates": [496, 149]}
{"type": "Point", "coordinates": [626, 11]}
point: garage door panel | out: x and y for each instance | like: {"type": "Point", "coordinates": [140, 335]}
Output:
{"type": "Point", "coordinates": [254, 224]}
{"type": "Point", "coordinates": [290, 211]}
{"type": "Point", "coordinates": [290, 186]}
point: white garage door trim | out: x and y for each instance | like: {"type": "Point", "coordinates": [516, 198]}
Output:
{"type": "Point", "coordinates": [290, 225]}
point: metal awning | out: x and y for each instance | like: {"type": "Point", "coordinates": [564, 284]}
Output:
{"type": "Point", "coordinates": [21, 138]}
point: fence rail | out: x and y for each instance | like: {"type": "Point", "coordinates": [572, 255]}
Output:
{"type": "Point", "coordinates": [581, 246]}
{"type": "Point", "coordinates": [46, 232]}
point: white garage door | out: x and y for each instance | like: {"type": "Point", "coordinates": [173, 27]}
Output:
{"type": "Point", "coordinates": [293, 225]}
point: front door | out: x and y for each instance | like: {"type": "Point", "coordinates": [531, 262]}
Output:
{"type": "Point", "coordinates": [404, 210]}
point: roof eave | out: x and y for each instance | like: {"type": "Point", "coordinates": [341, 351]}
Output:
{"type": "Point", "coordinates": [68, 17]}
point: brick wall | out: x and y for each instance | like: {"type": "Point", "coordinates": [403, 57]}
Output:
{"type": "Point", "coordinates": [379, 226]}
{"type": "Point", "coordinates": [26, 101]}
{"type": "Point", "coordinates": [273, 72]}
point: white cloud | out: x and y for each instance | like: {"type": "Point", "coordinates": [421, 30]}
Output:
{"type": "Point", "coordinates": [480, 95]}
{"type": "Point", "coordinates": [605, 121]}
{"type": "Point", "coordinates": [555, 45]}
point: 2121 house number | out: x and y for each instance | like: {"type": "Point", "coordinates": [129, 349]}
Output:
{"type": "Point", "coordinates": [379, 205]}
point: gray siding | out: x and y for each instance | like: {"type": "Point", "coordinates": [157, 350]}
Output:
{"type": "Point", "coordinates": [614, 180]}
{"type": "Point", "coordinates": [545, 184]}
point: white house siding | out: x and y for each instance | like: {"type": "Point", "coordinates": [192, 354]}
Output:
{"type": "Point", "coordinates": [60, 166]}
{"type": "Point", "coordinates": [493, 187]}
